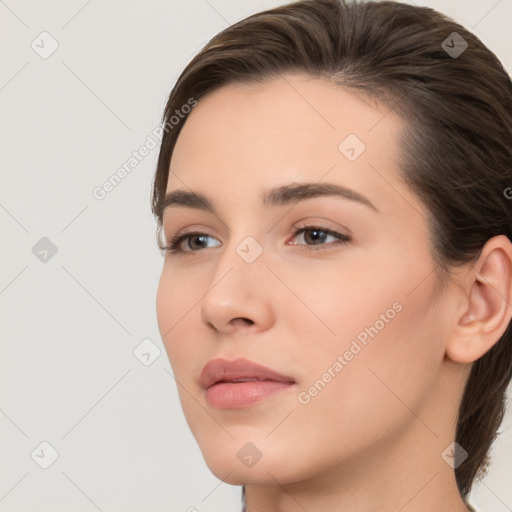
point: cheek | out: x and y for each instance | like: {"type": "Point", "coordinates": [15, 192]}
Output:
{"type": "Point", "coordinates": [177, 293]}
{"type": "Point", "coordinates": [390, 353]}
{"type": "Point", "coordinates": [172, 299]}
{"type": "Point", "coordinates": [384, 325]}
{"type": "Point", "coordinates": [165, 306]}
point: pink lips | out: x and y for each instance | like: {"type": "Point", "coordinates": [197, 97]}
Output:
{"type": "Point", "coordinates": [239, 383]}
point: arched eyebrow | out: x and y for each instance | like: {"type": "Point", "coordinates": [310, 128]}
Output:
{"type": "Point", "coordinates": [279, 196]}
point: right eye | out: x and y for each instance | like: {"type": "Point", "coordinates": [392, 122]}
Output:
{"type": "Point", "coordinates": [195, 236]}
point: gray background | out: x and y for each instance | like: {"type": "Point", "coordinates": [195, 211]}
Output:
{"type": "Point", "coordinates": [70, 324]}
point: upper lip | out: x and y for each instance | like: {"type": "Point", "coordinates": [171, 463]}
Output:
{"type": "Point", "coordinates": [217, 370]}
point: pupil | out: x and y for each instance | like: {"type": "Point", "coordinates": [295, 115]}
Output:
{"type": "Point", "coordinates": [316, 238]}
{"type": "Point", "coordinates": [202, 237]}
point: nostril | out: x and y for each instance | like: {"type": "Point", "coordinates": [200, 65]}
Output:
{"type": "Point", "coordinates": [212, 326]}
{"type": "Point", "coordinates": [239, 321]}
{"type": "Point", "coordinates": [242, 320]}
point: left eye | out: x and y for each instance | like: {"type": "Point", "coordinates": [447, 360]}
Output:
{"type": "Point", "coordinates": [317, 235]}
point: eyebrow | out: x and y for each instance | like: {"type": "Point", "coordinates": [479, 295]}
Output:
{"type": "Point", "coordinates": [280, 196]}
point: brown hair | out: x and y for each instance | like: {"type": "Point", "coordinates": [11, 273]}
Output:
{"type": "Point", "coordinates": [456, 152]}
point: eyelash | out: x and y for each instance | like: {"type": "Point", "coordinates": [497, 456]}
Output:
{"type": "Point", "coordinates": [173, 247]}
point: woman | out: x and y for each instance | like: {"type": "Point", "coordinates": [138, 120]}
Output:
{"type": "Point", "coordinates": [333, 187]}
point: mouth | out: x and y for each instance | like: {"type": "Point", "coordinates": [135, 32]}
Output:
{"type": "Point", "coordinates": [236, 395]}
{"type": "Point", "coordinates": [240, 383]}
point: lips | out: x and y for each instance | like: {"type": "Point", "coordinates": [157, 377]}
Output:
{"type": "Point", "coordinates": [241, 370]}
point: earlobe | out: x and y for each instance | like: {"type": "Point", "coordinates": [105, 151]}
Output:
{"type": "Point", "coordinates": [488, 308]}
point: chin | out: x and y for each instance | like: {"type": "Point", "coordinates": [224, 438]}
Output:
{"type": "Point", "coordinates": [238, 461]}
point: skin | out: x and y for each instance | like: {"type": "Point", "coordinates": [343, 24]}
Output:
{"type": "Point", "coordinates": [372, 438]}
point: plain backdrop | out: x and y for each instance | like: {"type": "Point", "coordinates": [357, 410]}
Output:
{"type": "Point", "coordinates": [78, 275]}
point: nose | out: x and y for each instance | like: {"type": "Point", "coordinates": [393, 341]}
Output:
{"type": "Point", "coordinates": [239, 296]}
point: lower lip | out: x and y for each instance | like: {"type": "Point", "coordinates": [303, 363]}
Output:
{"type": "Point", "coordinates": [233, 395]}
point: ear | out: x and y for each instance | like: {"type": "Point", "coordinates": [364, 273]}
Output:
{"type": "Point", "coordinates": [486, 306]}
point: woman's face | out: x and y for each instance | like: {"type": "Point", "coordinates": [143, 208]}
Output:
{"type": "Point", "coordinates": [354, 325]}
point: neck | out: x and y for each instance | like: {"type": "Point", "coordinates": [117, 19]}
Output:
{"type": "Point", "coordinates": [418, 491]}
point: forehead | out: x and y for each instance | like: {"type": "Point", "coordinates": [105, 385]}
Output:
{"type": "Point", "coordinates": [244, 138]}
